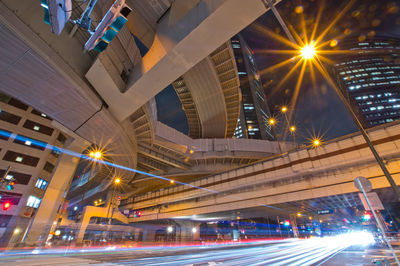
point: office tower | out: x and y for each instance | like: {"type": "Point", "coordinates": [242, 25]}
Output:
{"type": "Point", "coordinates": [369, 76]}
{"type": "Point", "coordinates": [254, 112]}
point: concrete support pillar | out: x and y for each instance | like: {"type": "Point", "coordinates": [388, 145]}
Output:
{"type": "Point", "coordinates": [91, 211]}
{"type": "Point", "coordinates": [293, 222]}
{"type": "Point", "coordinates": [83, 225]}
{"type": "Point", "coordinates": [52, 200]}
{"type": "Point", "coordinates": [187, 231]}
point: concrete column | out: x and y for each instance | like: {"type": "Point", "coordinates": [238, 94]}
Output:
{"type": "Point", "coordinates": [185, 232]}
{"type": "Point", "coordinates": [293, 222]}
{"type": "Point", "coordinates": [83, 225]}
{"type": "Point", "coordinates": [91, 211]}
{"type": "Point", "coordinates": [52, 200]}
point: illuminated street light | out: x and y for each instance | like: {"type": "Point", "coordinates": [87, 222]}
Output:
{"type": "Point", "coordinates": [117, 180]}
{"type": "Point", "coordinates": [17, 231]}
{"type": "Point", "coordinates": [299, 214]}
{"type": "Point", "coordinates": [272, 121]}
{"type": "Point", "coordinates": [292, 129]}
{"type": "Point", "coordinates": [316, 142]}
{"type": "Point", "coordinates": [308, 51]}
{"type": "Point", "coordinates": [171, 181]}
{"type": "Point", "coordinates": [284, 109]}
{"type": "Point", "coordinates": [96, 154]}
{"type": "Point", "coordinates": [194, 230]}
{"type": "Point", "coordinates": [170, 229]}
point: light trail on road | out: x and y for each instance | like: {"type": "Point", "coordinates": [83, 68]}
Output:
{"type": "Point", "coordinates": [283, 252]}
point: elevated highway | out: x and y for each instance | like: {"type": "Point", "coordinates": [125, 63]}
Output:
{"type": "Point", "coordinates": [297, 175]}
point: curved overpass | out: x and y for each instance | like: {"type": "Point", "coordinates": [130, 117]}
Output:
{"type": "Point", "coordinates": [210, 95]}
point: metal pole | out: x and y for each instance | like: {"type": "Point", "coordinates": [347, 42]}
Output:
{"type": "Point", "coordinates": [109, 205]}
{"type": "Point", "coordinates": [270, 4]}
{"type": "Point", "coordinates": [365, 135]}
{"type": "Point", "coordinates": [377, 220]}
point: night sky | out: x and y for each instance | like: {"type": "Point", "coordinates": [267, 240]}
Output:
{"type": "Point", "coordinates": [318, 110]}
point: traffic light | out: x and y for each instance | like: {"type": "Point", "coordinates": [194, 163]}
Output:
{"type": "Point", "coordinates": [366, 217]}
{"type": "Point", "coordinates": [137, 214]}
{"type": "Point", "coordinates": [10, 186]}
{"type": "Point", "coordinates": [6, 205]}
{"type": "Point", "coordinates": [110, 25]}
{"type": "Point", "coordinates": [286, 223]}
{"type": "Point", "coordinates": [56, 13]}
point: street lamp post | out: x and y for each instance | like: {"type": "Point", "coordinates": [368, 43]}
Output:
{"type": "Point", "coordinates": [116, 182]}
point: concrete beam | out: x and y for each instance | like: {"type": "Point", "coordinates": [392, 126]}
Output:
{"type": "Point", "coordinates": [177, 48]}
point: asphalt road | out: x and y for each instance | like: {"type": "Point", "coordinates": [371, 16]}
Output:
{"type": "Point", "coordinates": [289, 252]}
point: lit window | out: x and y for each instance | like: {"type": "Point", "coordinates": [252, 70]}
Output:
{"type": "Point", "coordinates": [41, 183]}
{"type": "Point", "coordinates": [43, 115]}
{"type": "Point", "coordinates": [36, 128]}
{"type": "Point", "coordinates": [242, 73]}
{"type": "Point", "coordinates": [33, 202]}
{"type": "Point", "coordinates": [19, 159]}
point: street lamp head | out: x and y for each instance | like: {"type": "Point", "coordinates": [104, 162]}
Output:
{"type": "Point", "coordinates": [272, 121]}
{"type": "Point", "coordinates": [292, 129]}
{"type": "Point", "coordinates": [172, 181]}
{"type": "Point", "coordinates": [117, 180]}
{"type": "Point", "coordinates": [97, 155]}
{"type": "Point", "coordinates": [170, 229]}
{"type": "Point", "coordinates": [284, 109]}
{"type": "Point", "coordinates": [316, 142]}
{"type": "Point", "coordinates": [308, 51]}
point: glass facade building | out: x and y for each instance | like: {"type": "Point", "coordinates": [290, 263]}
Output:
{"type": "Point", "coordinates": [369, 76]}
{"type": "Point", "coordinates": [254, 112]}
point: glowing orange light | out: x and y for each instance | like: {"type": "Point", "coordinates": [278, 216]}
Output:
{"type": "Point", "coordinates": [308, 51]}
{"type": "Point", "coordinates": [271, 121]}
{"type": "Point", "coordinates": [316, 142]}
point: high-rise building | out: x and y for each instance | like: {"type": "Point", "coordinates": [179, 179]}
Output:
{"type": "Point", "coordinates": [25, 136]}
{"type": "Point", "coordinates": [369, 76]}
{"type": "Point", "coordinates": [254, 111]}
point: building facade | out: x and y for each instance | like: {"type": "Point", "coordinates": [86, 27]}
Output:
{"type": "Point", "coordinates": [27, 138]}
{"type": "Point", "coordinates": [369, 76]}
{"type": "Point", "coordinates": [254, 111]}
